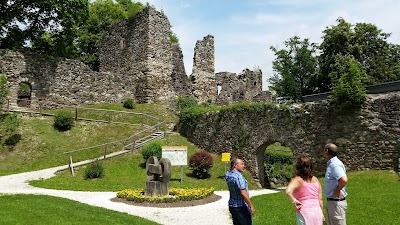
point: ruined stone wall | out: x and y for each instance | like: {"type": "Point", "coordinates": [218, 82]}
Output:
{"type": "Point", "coordinates": [245, 86]}
{"type": "Point", "coordinates": [203, 77]}
{"type": "Point", "coordinates": [366, 138]}
{"type": "Point", "coordinates": [137, 60]}
{"type": "Point", "coordinates": [63, 81]}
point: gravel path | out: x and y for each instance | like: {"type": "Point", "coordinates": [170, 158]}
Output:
{"type": "Point", "coordinates": [211, 214]}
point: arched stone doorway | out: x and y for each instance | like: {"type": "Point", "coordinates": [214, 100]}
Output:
{"type": "Point", "coordinates": [265, 178]}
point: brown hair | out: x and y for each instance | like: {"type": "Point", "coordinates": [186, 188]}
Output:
{"type": "Point", "coordinates": [304, 167]}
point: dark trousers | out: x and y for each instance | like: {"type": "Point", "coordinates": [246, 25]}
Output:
{"type": "Point", "coordinates": [241, 215]}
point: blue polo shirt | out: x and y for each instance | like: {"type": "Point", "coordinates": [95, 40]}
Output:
{"type": "Point", "coordinates": [236, 182]}
{"type": "Point", "coordinates": [334, 171]}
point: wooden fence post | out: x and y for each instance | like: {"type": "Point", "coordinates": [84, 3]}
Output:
{"type": "Point", "coordinates": [71, 166]}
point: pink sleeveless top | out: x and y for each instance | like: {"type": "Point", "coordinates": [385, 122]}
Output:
{"type": "Point", "coordinates": [307, 191]}
{"type": "Point", "coordinates": [308, 196]}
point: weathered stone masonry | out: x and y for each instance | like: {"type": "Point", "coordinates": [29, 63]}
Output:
{"type": "Point", "coordinates": [137, 60]}
{"type": "Point", "coordinates": [61, 81]}
{"type": "Point", "coordinates": [367, 139]}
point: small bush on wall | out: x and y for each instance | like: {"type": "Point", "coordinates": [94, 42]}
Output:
{"type": "Point", "coordinates": [200, 163]}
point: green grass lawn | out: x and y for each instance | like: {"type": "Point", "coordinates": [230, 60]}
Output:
{"type": "Point", "coordinates": [374, 199]}
{"type": "Point", "coordinates": [128, 171]}
{"type": "Point", "coordinates": [46, 210]}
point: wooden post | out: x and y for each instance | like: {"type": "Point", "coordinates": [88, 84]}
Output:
{"type": "Point", "coordinates": [40, 107]}
{"type": "Point", "coordinates": [105, 151]}
{"type": "Point", "coordinates": [71, 166]}
{"type": "Point", "coordinates": [76, 113]}
{"type": "Point", "coordinates": [164, 129]}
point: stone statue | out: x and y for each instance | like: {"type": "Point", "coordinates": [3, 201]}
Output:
{"type": "Point", "coordinates": [158, 176]}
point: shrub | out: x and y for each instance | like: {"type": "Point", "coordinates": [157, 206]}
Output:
{"type": "Point", "coordinates": [200, 163]}
{"type": "Point", "coordinates": [186, 102]}
{"type": "Point", "coordinates": [152, 149]}
{"type": "Point", "coordinates": [129, 103]}
{"type": "Point", "coordinates": [173, 38]}
{"type": "Point", "coordinates": [94, 170]}
{"type": "Point", "coordinates": [63, 121]}
{"type": "Point", "coordinates": [278, 167]}
{"type": "Point", "coordinates": [3, 89]}
{"type": "Point", "coordinates": [9, 124]}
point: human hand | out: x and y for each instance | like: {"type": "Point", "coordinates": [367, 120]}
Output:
{"type": "Point", "coordinates": [297, 204]}
{"type": "Point", "coordinates": [252, 210]}
{"type": "Point", "coordinates": [338, 194]}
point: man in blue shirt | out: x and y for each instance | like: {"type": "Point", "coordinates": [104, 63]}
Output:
{"type": "Point", "coordinates": [335, 187]}
{"type": "Point", "coordinates": [240, 205]}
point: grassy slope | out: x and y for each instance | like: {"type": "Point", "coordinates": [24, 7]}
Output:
{"type": "Point", "coordinates": [128, 171]}
{"type": "Point", "coordinates": [41, 146]}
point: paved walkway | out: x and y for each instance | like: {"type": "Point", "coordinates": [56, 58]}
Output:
{"type": "Point", "coordinates": [211, 214]}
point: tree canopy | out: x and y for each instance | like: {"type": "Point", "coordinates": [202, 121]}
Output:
{"type": "Point", "coordinates": [295, 68]}
{"type": "Point", "coordinates": [363, 46]}
{"type": "Point", "coordinates": [71, 29]}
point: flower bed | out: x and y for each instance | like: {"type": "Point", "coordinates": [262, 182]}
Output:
{"type": "Point", "coordinates": [175, 195]}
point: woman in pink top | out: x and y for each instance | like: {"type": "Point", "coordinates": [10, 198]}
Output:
{"type": "Point", "coordinates": [305, 192]}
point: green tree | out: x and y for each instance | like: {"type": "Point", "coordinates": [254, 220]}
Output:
{"type": "Point", "coordinates": [369, 47]}
{"type": "Point", "coordinates": [46, 26]}
{"type": "Point", "coordinates": [348, 90]}
{"type": "Point", "coordinates": [102, 13]}
{"type": "Point", "coordinates": [295, 69]}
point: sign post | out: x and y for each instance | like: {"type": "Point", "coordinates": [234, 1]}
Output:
{"type": "Point", "coordinates": [226, 157]}
{"type": "Point", "coordinates": [177, 155]}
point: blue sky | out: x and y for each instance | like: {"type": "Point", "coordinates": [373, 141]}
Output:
{"type": "Point", "coordinates": [244, 30]}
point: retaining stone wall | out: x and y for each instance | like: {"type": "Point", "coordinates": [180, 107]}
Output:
{"type": "Point", "coordinates": [366, 138]}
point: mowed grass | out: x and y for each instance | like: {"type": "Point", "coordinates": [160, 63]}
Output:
{"type": "Point", "coordinates": [128, 171]}
{"type": "Point", "coordinates": [46, 210]}
{"type": "Point", "coordinates": [374, 199]}
{"type": "Point", "coordinates": [41, 145]}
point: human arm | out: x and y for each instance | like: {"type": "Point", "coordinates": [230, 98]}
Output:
{"type": "Point", "coordinates": [246, 198]}
{"type": "Point", "coordinates": [294, 184]}
{"type": "Point", "coordinates": [341, 183]}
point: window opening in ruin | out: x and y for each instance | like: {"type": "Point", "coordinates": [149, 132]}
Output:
{"type": "Point", "coordinates": [278, 164]}
{"type": "Point", "coordinates": [255, 83]}
{"type": "Point", "coordinates": [219, 88]}
{"type": "Point", "coordinates": [24, 94]}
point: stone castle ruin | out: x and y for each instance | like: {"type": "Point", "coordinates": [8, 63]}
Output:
{"type": "Point", "coordinates": [138, 61]}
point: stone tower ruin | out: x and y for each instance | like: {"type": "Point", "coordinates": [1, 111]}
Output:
{"type": "Point", "coordinates": [203, 77]}
{"type": "Point", "coordinates": [140, 47]}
